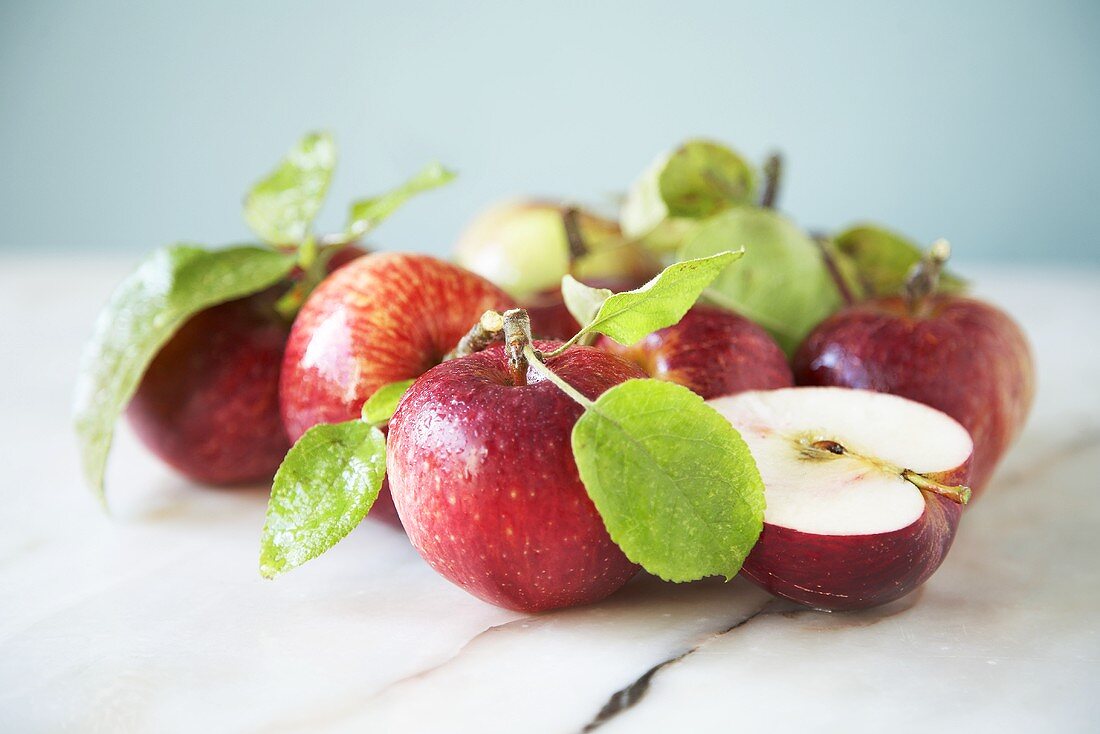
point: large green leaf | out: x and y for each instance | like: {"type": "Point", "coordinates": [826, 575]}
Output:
{"type": "Point", "coordinates": [673, 481]}
{"type": "Point", "coordinates": [144, 312]}
{"type": "Point", "coordinates": [281, 208]}
{"type": "Point", "coordinates": [782, 283]}
{"type": "Point", "coordinates": [628, 316]}
{"type": "Point", "coordinates": [366, 214]}
{"type": "Point", "coordinates": [324, 488]}
{"type": "Point", "coordinates": [880, 260]}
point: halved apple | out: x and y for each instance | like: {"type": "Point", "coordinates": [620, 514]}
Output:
{"type": "Point", "coordinates": [864, 492]}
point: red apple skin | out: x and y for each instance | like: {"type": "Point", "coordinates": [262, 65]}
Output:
{"type": "Point", "coordinates": [848, 572]}
{"type": "Point", "coordinates": [712, 352]}
{"type": "Point", "coordinates": [379, 319]}
{"type": "Point", "coordinates": [483, 476]}
{"type": "Point", "coordinates": [208, 404]}
{"type": "Point", "coordinates": [550, 318]}
{"type": "Point", "coordinates": [963, 357]}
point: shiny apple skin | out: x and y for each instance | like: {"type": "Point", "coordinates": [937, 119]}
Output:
{"type": "Point", "coordinates": [964, 357]}
{"type": "Point", "coordinates": [484, 480]}
{"type": "Point", "coordinates": [712, 352]}
{"type": "Point", "coordinates": [848, 572]}
{"type": "Point", "coordinates": [208, 405]}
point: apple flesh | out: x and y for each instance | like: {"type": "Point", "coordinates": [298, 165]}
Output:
{"type": "Point", "coordinates": [956, 354]}
{"type": "Point", "coordinates": [863, 491]}
{"type": "Point", "coordinates": [482, 473]}
{"type": "Point", "coordinates": [208, 404]}
{"type": "Point", "coordinates": [382, 318]}
{"type": "Point", "coordinates": [522, 246]}
{"type": "Point", "coordinates": [712, 352]}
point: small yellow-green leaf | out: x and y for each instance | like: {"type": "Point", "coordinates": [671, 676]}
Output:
{"type": "Point", "coordinates": [674, 482]}
{"type": "Point", "coordinates": [628, 316]}
{"type": "Point", "coordinates": [324, 488]}
{"type": "Point", "coordinates": [782, 283]}
{"type": "Point", "coordinates": [380, 406]}
{"type": "Point", "coordinates": [582, 301]}
{"type": "Point", "coordinates": [281, 207]}
{"type": "Point", "coordinates": [366, 214]}
{"type": "Point", "coordinates": [146, 309]}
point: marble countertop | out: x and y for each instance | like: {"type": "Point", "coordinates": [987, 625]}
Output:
{"type": "Point", "coordinates": [156, 619]}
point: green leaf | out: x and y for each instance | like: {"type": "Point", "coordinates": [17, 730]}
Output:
{"type": "Point", "coordinates": [380, 406]}
{"type": "Point", "coordinates": [367, 214]}
{"type": "Point", "coordinates": [281, 208]}
{"type": "Point", "coordinates": [144, 312]}
{"type": "Point", "coordinates": [880, 261]}
{"type": "Point", "coordinates": [673, 481]}
{"type": "Point", "coordinates": [582, 301]}
{"type": "Point", "coordinates": [324, 488]}
{"type": "Point", "coordinates": [782, 283]}
{"type": "Point", "coordinates": [628, 316]}
{"type": "Point", "coordinates": [696, 181]}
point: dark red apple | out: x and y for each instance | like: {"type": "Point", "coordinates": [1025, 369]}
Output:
{"type": "Point", "coordinates": [959, 355]}
{"type": "Point", "coordinates": [208, 404]}
{"type": "Point", "coordinates": [863, 491]}
{"type": "Point", "coordinates": [712, 352]}
{"type": "Point", "coordinates": [482, 473]}
{"type": "Point", "coordinates": [380, 319]}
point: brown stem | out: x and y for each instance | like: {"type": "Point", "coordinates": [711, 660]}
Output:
{"type": "Point", "coordinates": [578, 248]}
{"type": "Point", "coordinates": [773, 172]}
{"type": "Point", "coordinates": [487, 330]}
{"type": "Point", "coordinates": [825, 246]}
{"type": "Point", "coordinates": [924, 277]}
{"type": "Point", "coordinates": [517, 336]}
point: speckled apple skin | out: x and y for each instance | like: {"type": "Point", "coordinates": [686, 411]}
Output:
{"type": "Point", "coordinates": [846, 572]}
{"type": "Point", "coordinates": [964, 357]}
{"type": "Point", "coordinates": [208, 404]}
{"type": "Point", "coordinates": [379, 319]}
{"type": "Point", "coordinates": [483, 476]}
{"type": "Point", "coordinates": [712, 352]}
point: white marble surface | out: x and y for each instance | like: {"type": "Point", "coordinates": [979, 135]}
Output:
{"type": "Point", "coordinates": [156, 620]}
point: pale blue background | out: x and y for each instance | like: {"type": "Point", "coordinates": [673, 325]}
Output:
{"type": "Point", "coordinates": [127, 126]}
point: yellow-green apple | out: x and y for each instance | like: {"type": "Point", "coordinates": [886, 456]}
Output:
{"type": "Point", "coordinates": [712, 352]}
{"type": "Point", "coordinates": [864, 492]}
{"type": "Point", "coordinates": [482, 472]}
{"type": "Point", "coordinates": [382, 318]}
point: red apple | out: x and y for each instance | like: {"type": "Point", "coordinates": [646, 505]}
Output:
{"type": "Point", "coordinates": [482, 473]}
{"type": "Point", "coordinates": [712, 352]}
{"type": "Point", "coordinates": [863, 492]}
{"type": "Point", "coordinates": [208, 404]}
{"type": "Point", "coordinates": [959, 355]}
{"type": "Point", "coordinates": [380, 319]}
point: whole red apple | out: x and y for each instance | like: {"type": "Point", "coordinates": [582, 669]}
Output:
{"type": "Point", "coordinates": [863, 492]}
{"type": "Point", "coordinates": [957, 354]}
{"type": "Point", "coordinates": [383, 318]}
{"type": "Point", "coordinates": [208, 404]}
{"type": "Point", "coordinates": [482, 472]}
{"type": "Point", "coordinates": [712, 352]}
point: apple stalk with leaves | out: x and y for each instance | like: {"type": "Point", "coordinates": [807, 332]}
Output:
{"type": "Point", "coordinates": [191, 343]}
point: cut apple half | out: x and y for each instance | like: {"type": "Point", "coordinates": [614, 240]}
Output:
{"type": "Point", "coordinates": [864, 491]}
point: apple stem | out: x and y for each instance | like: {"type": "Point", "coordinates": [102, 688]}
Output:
{"type": "Point", "coordinates": [535, 360]}
{"type": "Point", "coordinates": [924, 277]}
{"type": "Point", "coordinates": [487, 330]}
{"type": "Point", "coordinates": [959, 494]}
{"type": "Point", "coordinates": [825, 246]}
{"type": "Point", "coordinates": [517, 336]}
{"type": "Point", "coordinates": [773, 172]}
{"type": "Point", "coordinates": [578, 248]}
